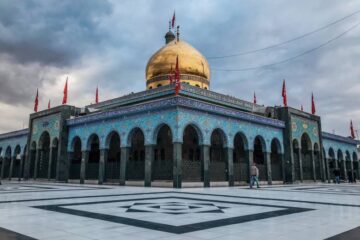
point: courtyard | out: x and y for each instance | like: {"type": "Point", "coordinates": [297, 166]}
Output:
{"type": "Point", "coordinates": [54, 211]}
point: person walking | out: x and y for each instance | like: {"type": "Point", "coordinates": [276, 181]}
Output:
{"type": "Point", "coordinates": [254, 176]}
{"type": "Point", "coordinates": [337, 175]}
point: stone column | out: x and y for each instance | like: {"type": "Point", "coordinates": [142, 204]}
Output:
{"type": "Point", "coordinates": [344, 170]}
{"type": "Point", "coordinates": [37, 162]}
{"type": "Point", "coordinates": [327, 169]}
{"type": "Point", "coordinates": [177, 170]}
{"type": "Point", "coordinates": [123, 162]}
{"type": "Point", "coordinates": [267, 156]}
{"type": "Point", "coordinates": [102, 162]}
{"type": "Point", "coordinates": [2, 167]}
{"type": "Point", "coordinates": [84, 161]}
{"type": "Point", "coordinates": [50, 162]}
{"type": "Point", "coordinates": [312, 160]}
{"type": "Point", "coordinates": [22, 163]}
{"type": "Point", "coordinates": [250, 155]}
{"type": "Point", "coordinates": [300, 165]}
{"type": "Point", "coordinates": [323, 163]}
{"type": "Point", "coordinates": [230, 165]}
{"type": "Point", "coordinates": [149, 159]}
{"type": "Point", "coordinates": [13, 159]}
{"type": "Point", "coordinates": [205, 159]}
{"type": "Point", "coordinates": [283, 166]}
{"type": "Point", "coordinates": [70, 158]}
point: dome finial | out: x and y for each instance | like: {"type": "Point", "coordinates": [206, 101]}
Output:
{"type": "Point", "coordinates": [178, 33]}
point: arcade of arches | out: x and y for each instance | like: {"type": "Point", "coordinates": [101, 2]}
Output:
{"type": "Point", "coordinates": [179, 162]}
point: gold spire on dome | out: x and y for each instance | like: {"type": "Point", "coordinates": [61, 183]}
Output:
{"type": "Point", "coordinates": [194, 68]}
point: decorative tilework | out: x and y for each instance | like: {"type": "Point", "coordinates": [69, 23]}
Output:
{"type": "Point", "coordinates": [177, 119]}
{"type": "Point", "coordinates": [301, 125]}
{"type": "Point", "coordinates": [336, 145]}
{"type": "Point", "coordinates": [50, 123]}
{"type": "Point", "coordinates": [13, 141]}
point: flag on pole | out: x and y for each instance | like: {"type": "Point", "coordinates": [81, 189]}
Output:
{"type": "Point", "coordinates": [254, 98]}
{"type": "Point", "coordinates": [352, 130]}
{"type": "Point", "coordinates": [173, 21]}
{"type": "Point", "coordinates": [36, 104]}
{"type": "Point", "coordinates": [283, 94]}
{"type": "Point", "coordinates": [97, 95]}
{"type": "Point", "coordinates": [313, 109]}
{"type": "Point", "coordinates": [177, 77]}
{"type": "Point", "coordinates": [65, 91]}
{"type": "Point", "coordinates": [49, 104]}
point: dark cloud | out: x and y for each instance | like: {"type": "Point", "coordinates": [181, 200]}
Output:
{"type": "Point", "coordinates": [109, 42]}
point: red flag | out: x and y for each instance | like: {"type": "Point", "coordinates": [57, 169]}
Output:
{"type": "Point", "coordinates": [283, 94]}
{"type": "Point", "coordinates": [313, 109]}
{"type": "Point", "coordinates": [36, 105]}
{"type": "Point", "coordinates": [254, 98]}
{"type": "Point", "coordinates": [65, 92]}
{"type": "Point", "coordinates": [177, 77]}
{"type": "Point", "coordinates": [97, 95]}
{"type": "Point", "coordinates": [302, 108]}
{"type": "Point", "coordinates": [352, 130]}
{"type": "Point", "coordinates": [173, 21]}
{"type": "Point", "coordinates": [49, 104]}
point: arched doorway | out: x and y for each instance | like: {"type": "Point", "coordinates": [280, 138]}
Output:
{"type": "Point", "coordinates": [43, 162]}
{"type": "Point", "coordinates": [356, 166]}
{"type": "Point", "coordinates": [348, 164]}
{"type": "Point", "coordinates": [276, 161]}
{"type": "Point", "coordinates": [163, 155]}
{"type": "Point", "coordinates": [241, 161]}
{"type": "Point", "coordinates": [32, 159]}
{"type": "Point", "coordinates": [307, 165]}
{"type": "Point", "coordinates": [332, 163]}
{"type": "Point", "coordinates": [16, 169]}
{"type": "Point", "coordinates": [191, 163]}
{"type": "Point", "coordinates": [75, 162]}
{"type": "Point", "coordinates": [296, 155]}
{"type": "Point", "coordinates": [112, 165]}
{"type": "Point", "coordinates": [317, 161]}
{"type": "Point", "coordinates": [259, 157]}
{"type": "Point", "coordinates": [218, 165]}
{"type": "Point", "coordinates": [92, 166]}
{"type": "Point", "coordinates": [341, 164]}
{"type": "Point", "coordinates": [135, 169]}
{"type": "Point", "coordinates": [54, 158]}
{"type": "Point", "coordinates": [6, 162]}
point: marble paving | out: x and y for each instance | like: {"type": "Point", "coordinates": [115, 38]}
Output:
{"type": "Point", "coordinates": [54, 211]}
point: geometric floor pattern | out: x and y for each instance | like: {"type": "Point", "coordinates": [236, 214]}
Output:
{"type": "Point", "coordinates": [51, 211]}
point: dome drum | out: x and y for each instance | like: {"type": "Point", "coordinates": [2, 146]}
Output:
{"type": "Point", "coordinates": [193, 66]}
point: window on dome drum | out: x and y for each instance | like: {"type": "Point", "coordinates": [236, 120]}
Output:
{"type": "Point", "coordinates": [197, 85]}
{"type": "Point", "coordinates": [150, 87]}
{"type": "Point", "coordinates": [205, 88]}
{"type": "Point", "coordinates": [159, 85]}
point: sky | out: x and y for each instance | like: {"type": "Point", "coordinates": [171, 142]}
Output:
{"type": "Point", "coordinates": [108, 43]}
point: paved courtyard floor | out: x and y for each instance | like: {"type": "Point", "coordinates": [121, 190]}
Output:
{"type": "Point", "coordinates": [51, 211]}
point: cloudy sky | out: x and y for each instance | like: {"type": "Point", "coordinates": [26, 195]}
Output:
{"type": "Point", "coordinates": [108, 43]}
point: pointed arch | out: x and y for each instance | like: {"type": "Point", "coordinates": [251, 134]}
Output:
{"type": "Point", "coordinates": [276, 160]}
{"type": "Point", "coordinates": [76, 156]}
{"type": "Point", "coordinates": [218, 165]}
{"type": "Point", "coordinates": [191, 163]}
{"type": "Point", "coordinates": [92, 166]}
{"type": "Point", "coordinates": [296, 155]}
{"type": "Point", "coordinates": [112, 165]}
{"type": "Point", "coordinates": [240, 157]}
{"type": "Point", "coordinates": [163, 153]}
{"type": "Point", "coordinates": [259, 147]}
{"type": "Point", "coordinates": [135, 168]}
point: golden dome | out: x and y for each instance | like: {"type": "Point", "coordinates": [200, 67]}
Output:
{"type": "Point", "coordinates": [193, 66]}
